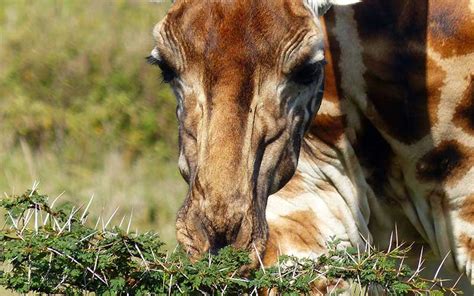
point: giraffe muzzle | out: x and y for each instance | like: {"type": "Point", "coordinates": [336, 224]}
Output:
{"type": "Point", "coordinates": [205, 226]}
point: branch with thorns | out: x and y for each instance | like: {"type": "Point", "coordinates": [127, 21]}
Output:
{"type": "Point", "coordinates": [61, 254]}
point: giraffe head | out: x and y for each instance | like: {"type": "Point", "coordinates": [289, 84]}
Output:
{"type": "Point", "coordinates": [248, 78]}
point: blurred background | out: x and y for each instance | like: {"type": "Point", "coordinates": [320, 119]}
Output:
{"type": "Point", "coordinates": [83, 114]}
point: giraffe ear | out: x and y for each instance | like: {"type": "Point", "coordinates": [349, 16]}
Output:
{"type": "Point", "coordinates": [320, 7]}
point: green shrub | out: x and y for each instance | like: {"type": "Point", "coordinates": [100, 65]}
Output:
{"type": "Point", "coordinates": [54, 251]}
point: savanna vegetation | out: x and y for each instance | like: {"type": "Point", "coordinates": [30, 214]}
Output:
{"type": "Point", "coordinates": [81, 111]}
{"type": "Point", "coordinates": [84, 115]}
{"type": "Point", "coordinates": [49, 249]}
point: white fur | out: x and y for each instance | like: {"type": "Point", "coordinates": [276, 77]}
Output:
{"type": "Point", "coordinates": [154, 53]}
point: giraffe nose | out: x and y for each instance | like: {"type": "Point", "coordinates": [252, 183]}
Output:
{"type": "Point", "coordinates": [203, 227]}
{"type": "Point", "coordinates": [220, 241]}
{"type": "Point", "coordinates": [198, 239]}
{"type": "Point", "coordinates": [231, 234]}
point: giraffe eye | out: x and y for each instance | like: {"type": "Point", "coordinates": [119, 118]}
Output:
{"type": "Point", "coordinates": [307, 73]}
{"type": "Point", "coordinates": [167, 71]}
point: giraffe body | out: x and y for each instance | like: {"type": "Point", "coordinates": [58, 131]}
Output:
{"type": "Point", "coordinates": [392, 144]}
{"type": "Point", "coordinates": [391, 147]}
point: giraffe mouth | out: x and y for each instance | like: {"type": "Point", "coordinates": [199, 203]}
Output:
{"type": "Point", "coordinates": [200, 232]}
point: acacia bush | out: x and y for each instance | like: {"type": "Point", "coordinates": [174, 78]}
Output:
{"type": "Point", "coordinates": [54, 250]}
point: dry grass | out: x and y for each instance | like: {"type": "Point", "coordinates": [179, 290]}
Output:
{"type": "Point", "coordinates": [81, 111]}
{"type": "Point", "coordinates": [151, 190]}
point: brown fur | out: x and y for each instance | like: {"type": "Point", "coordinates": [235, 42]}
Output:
{"type": "Point", "coordinates": [298, 230]}
{"type": "Point", "coordinates": [445, 163]}
{"type": "Point", "coordinates": [467, 209]}
{"type": "Point", "coordinates": [293, 187]}
{"type": "Point", "coordinates": [451, 27]}
{"type": "Point", "coordinates": [230, 144]}
{"type": "Point", "coordinates": [234, 133]}
{"type": "Point", "coordinates": [467, 243]}
{"type": "Point", "coordinates": [328, 128]}
{"type": "Point", "coordinates": [396, 65]}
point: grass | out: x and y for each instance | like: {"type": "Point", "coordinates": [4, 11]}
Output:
{"type": "Point", "coordinates": [82, 113]}
{"type": "Point", "coordinates": [152, 192]}
{"type": "Point", "coordinates": [73, 73]}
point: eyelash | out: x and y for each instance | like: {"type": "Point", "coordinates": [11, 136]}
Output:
{"type": "Point", "coordinates": [307, 73]}
{"type": "Point", "coordinates": [167, 72]}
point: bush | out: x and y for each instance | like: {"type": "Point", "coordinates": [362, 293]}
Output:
{"type": "Point", "coordinates": [50, 250]}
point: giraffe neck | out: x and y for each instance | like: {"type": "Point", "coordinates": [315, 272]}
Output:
{"type": "Point", "coordinates": [393, 142]}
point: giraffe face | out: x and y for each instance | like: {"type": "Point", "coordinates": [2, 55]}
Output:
{"type": "Point", "coordinates": [248, 78]}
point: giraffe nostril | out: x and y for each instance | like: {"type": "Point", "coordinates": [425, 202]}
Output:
{"type": "Point", "coordinates": [226, 238]}
{"type": "Point", "coordinates": [220, 241]}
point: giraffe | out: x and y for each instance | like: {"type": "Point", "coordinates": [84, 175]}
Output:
{"type": "Point", "coordinates": [391, 146]}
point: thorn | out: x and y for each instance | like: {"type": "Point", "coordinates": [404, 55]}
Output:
{"type": "Point", "coordinates": [442, 262]}
{"type": "Point", "coordinates": [358, 281]}
{"type": "Point", "coordinates": [51, 207]}
{"type": "Point", "coordinates": [368, 246]}
{"type": "Point", "coordinates": [29, 272]}
{"type": "Point", "coordinates": [56, 224]}
{"type": "Point", "coordinates": [87, 236]}
{"type": "Point", "coordinates": [102, 220]}
{"type": "Point", "coordinates": [209, 259]}
{"type": "Point", "coordinates": [130, 221]}
{"type": "Point", "coordinates": [420, 263]}
{"type": "Point", "coordinates": [350, 257]}
{"type": "Point", "coordinates": [121, 221]}
{"type": "Point", "coordinates": [401, 265]}
{"type": "Point", "coordinates": [259, 259]}
{"type": "Point", "coordinates": [26, 220]}
{"type": "Point", "coordinates": [97, 223]}
{"type": "Point", "coordinates": [57, 197]}
{"type": "Point", "coordinates": [34, 187]}
{"type": "Point", "coordinates": [254, 291]}
{"type": "Point", "coordinates": [457, 281]}
{"type": "Point", "coordinates": [143, 258]}
{"type": "Point", "coordinates": [396, 235]}
{"type": "Point", "coordinates": [110, 219]}
{"type": "Point", "coordinates": [279, 263]}
{"type": "Point", "coordinates": [376, 261]}
{"type": "Point", "coordinates": [46, 219]}
{"type": "Point", "coordinates": [153, 254]}
{"type": "Point", "coordinates": [61, 282]}
{"type": "Point", "coordinates": [169, 286]}
{"type": "Point", "coordinates": [68, 222]}
{"type": "Point", "coordinates": [418, 268]}
{"type": "Point", "coordinates": [78, 263]}
{"type": "Point", "coordinates": [15, 223]}
{"type": "Point", "coordinates": [390, 243]}
{"type": "Point", "coordinates": [87, 208]}
{"type": "Point", "coordinates": [335, 286]}
{"type": "Point", "coordinates": [41, 216]}
{"type": "Point", "coordinates": [95, 262]}
{"type": "Point", "coordinates": [36, 220]}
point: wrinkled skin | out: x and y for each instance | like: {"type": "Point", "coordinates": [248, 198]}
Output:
{"type": "Point", "coordinates": [248, 78]}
